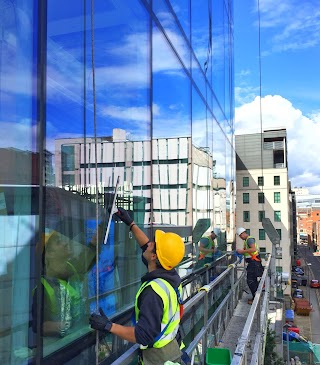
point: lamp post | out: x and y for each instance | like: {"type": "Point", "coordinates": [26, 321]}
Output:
{"type": "Point", "coordinates": [287, 336]}
{"type": "Point", "coordinates": [309, 278]}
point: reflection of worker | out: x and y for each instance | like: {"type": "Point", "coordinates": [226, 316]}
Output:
{"type": "Point", "coordinates": [157, 309]}
{"type": "Point", "coordinates": [251, 254]}
{"type": "Point", "coordinates": [62, 285]}
{"type": "Point", "coordinates": [207, 249]}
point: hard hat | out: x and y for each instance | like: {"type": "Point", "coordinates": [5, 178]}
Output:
{"type": "Point", "coordinates": [240, 230]}
{"type": "Point", "coordinates": [169, 249]}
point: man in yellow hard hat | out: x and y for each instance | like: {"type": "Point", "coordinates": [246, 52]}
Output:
{"type": "Point", "coordinates": [158, 301]}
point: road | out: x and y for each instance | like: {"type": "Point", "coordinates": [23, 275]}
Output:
{"type": "Point", "coordinates": [313, 272]}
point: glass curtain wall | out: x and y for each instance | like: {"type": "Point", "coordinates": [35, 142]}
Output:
{"type": "Point", "coordinates": [105, 101]}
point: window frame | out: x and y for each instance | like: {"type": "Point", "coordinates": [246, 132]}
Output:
{"type": "Point", "coordinates": [245, 181]}
{"type": "Point", "coordinates": [277, 197]}
{"type": "Point", "coordinates": [244, 201]}
{"type": "Point", "coordinates": [263, 198]}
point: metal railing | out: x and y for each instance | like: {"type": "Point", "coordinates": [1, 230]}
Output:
{"type": "Point", "coordinates": [258, 313]}
{"type": "Point", "coordinates": [206, 314]}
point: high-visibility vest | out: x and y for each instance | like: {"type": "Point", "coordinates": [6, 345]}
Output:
{"type": "Point", "coordinates": [209, 245]}
{"type": "Point", "coordinates": [252, 255]}
{"type": "Point", "coordinates": [171, 310]}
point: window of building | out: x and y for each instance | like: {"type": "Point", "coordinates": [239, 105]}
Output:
{"type": "Point", "coordinates": [262, 234]}
{"type": "Point", "coordinates": [276, 180]}
{"type": "Point", "coordinates": [67, 158]}
{"type": "Point", "coordinates": [277, 216]}
{"type": "Point", "coordinates": [248, 231]}
{"type": "Point", "coordinates": [279, 233]}
{"type": "Point", "coordinates": [262, 249]}
{"type": "Point", "coordinates": [261, 198]}
{"type": "Point", "coordinates": [246, 198]}
{"type": "Point", "coordinates": [278, 268]}
{"type": "Point", "coordinates": [68, 180]}
{"type": "Point", "coordinates": [276, 197]}
{"type": "Point", "coordinates": [260, 181]}
{"type": "Point", "coordinates": [245, 181]}
{"type": "Point", "coordinates": [246, 216]}
{"type": "Point", "coordinates": [261, 215]}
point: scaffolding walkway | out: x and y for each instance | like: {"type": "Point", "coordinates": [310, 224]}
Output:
{"type": "Point", "coordinates": [218, 315]}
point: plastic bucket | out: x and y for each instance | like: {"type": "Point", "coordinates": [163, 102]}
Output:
{"type": "Point", "coordinates": [218, 356]}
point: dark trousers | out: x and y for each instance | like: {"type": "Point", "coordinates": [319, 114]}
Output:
{"type": "Point", "coordinates": [254, 270]}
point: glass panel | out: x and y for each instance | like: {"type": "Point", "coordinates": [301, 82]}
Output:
{"type": "Point", "coordinates": [246, 198]}
{"type": "Point", "coordinates": [261, 215]}
{"type": "Point", "coordinates": [279, 232]}
{"type": "Point", "coordinates": [276, 180]}
{"type": "Point", "coordinates": [262, 234]}
{"type": "Point", "coordinates": [246, 216]}
{"type": "Point", "coordinates": [260, 181]}
{"type": "Point", "coordinates": [100, 122]}
{"type": "Point", "coordinates": [277, 216]}
{"type": "Point", "coordinates": [245, 181]}
{"type": "Point", "coordinates": [19, 177]}
{"type": "Point", "coordinates": [182, 11]}
{"type": "Point", "coordinates": [248, 231]}
{"type": "Point", "coordinates": [94, 136]}
{"type": "Point", "coordinates": [277, 197]}
{"type": "Point", "coordinates": [261, 198]}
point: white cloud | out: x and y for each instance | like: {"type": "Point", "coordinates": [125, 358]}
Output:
{"type": "Point", "coordinates": [302, 132]}
{"type": "Point", "coordinates": [296, 24]}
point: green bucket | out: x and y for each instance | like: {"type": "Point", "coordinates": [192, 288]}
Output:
{"type": "Point", "coordinates": [218, 356]}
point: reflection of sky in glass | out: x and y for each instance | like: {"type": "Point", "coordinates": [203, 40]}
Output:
{"type": "Point", "coordinates": [121, 70]}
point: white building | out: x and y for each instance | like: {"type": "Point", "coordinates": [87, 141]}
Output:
{"type": "Point", "coordinates": [176, 175]}
{"type": "Point", "coordinates": [263, 191]}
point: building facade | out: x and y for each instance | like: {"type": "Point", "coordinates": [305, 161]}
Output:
{"type": "Point", "coordinates": [95, 93]}
{"type": "Point", "coordinates": [263, 191]}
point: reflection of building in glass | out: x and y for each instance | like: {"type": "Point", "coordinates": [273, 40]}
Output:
{"type": "Point", "coordinates": [20, 167]}
{"type": "Point", "coordinates": [163, 74]}
{"type": "Point", "coordinates": [263, 190]}
{"type": "Point", "coordinates": [179, 176]}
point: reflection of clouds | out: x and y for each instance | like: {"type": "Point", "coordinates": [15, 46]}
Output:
{"type": "Point", "coordinates": [140, 114]}
{"type": "Point", "coordinates": [21, 135]}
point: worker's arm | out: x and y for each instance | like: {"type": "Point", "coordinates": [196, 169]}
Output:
{"type": "Point", "coordinates": [203, 246]}
{"type": "Point", "coordinates": [139, 235]}
{"type": "Point", "coordinates": [126, 333]}
{"type": "Point", "coordinates": [252, 248]}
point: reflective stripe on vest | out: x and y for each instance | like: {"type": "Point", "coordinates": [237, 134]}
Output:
{"type": "Point", "coordinates": [171, 310]}
{"type": "Point", "coordinates": [252, 255]}
{"type": "Point", "coordinates": [209, 245]}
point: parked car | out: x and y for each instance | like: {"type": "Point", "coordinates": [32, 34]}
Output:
{"type": "Point", "coordinates": [314, 284]}
{"type": "Point", "coordinates": [298, 293]}
{"type": "Point", "coordinates": [297, 270]}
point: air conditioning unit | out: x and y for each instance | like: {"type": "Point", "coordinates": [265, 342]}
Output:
{"type": "Point", "coordinates": [284, 277]}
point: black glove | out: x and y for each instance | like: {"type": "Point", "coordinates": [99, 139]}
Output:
{"type": "Point", "coordinates": [100, 322]}
{"type": "Point", "coordinates": [124, 216]}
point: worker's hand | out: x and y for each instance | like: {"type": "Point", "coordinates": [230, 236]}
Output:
{"type": "Point", "coordinates": [240, 251]}
{"type": "Point", "coordinates": [100, 322]}
{"type": "Point", "coordinates": [123, 215]}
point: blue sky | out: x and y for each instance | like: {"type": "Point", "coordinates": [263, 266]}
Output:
{"type": "Point", "coordinates": [290, 54]}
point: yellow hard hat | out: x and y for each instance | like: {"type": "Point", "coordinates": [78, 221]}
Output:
{"type": "Point", "coordinates": [169, 249]}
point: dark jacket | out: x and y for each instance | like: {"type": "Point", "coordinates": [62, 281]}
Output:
{"type": "Point", "coordinates": [150, 304]}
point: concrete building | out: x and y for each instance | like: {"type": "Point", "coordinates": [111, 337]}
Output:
{"type": "Point", "coordinates": [263, 191]}
{"type": "Point", "coordinates": [176, 180]}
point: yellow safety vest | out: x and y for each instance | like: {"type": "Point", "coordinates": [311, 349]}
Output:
{"type": "Point", "coordinates": [171, 310]}
{"type": "Point", "coordinates": [253, 255]}
{"type": "Point", "coordinates": [209, 245]}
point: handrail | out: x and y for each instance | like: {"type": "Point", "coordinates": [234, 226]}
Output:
{"type": "Point", "coordinates": [240, 354]}
{"type": "Point", "coordinates": [204, 294]}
